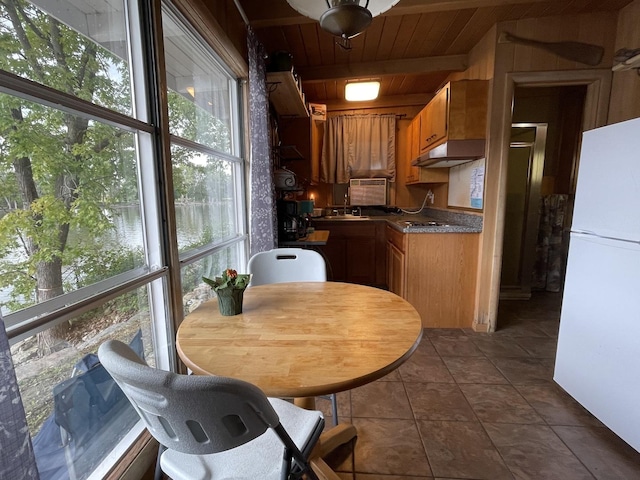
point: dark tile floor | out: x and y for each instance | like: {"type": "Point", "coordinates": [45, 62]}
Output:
{"type": "Point", "coordinates": [480, 406]}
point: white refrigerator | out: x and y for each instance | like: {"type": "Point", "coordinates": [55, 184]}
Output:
{"type": "Point", "coordinates": [598, 357]}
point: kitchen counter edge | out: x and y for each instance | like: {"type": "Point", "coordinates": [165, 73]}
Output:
{"type": "Point", "coordinates": [392, 220]}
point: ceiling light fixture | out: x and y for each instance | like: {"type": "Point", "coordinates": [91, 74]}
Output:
{"type": "Point", "coordinates": [342, 18]}
{"type": "Point", "coordinates": [361, 90]}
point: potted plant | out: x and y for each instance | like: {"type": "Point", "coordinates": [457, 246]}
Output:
{"type": "Point", "coordinates": [230, 289]}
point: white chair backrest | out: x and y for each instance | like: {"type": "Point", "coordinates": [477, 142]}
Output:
{"type": "Point", "coordinates": [287, 265]}
{"type": "Point", "coordinates": [194, 414]}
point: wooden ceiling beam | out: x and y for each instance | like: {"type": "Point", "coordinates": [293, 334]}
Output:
{"type": "Point", "coordinates": [415, 99]}
{"type": "Point", "coordinates": [269, 15]}
{"type": "Point", "coordinates": [407, 66]}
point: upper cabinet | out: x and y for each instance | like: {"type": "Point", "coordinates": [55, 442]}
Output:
{"type": "Point", "coordinates": [433, 120]}
{"type": "Point", "coordinates": [453, 124]}
{"type": "Point", "coordinates": [418, 174]}
{"type": "Point", "coordinates": [286, 94]}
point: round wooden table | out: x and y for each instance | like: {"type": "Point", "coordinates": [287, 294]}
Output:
{"type": "Point", "coordinates": [302, 340]}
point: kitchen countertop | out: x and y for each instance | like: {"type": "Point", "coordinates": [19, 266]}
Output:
{"type": "Point", "coordinates": [317, 238]}
{"type": "Point", "coordinates": [444, 221]}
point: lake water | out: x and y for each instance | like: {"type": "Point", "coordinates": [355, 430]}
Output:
{"type": "Point", "coordinates": [193, 221]}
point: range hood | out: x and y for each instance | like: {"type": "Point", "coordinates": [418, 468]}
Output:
{"type": "Point", "coordinates": [451, 153]}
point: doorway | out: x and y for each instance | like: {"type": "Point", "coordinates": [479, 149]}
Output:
{"type": "Point", "coordinates": [522, 212]}
{"type": "Point", "coordinates": [543, 156]}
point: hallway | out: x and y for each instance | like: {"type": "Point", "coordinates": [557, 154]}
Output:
{"type": "Point", "coordinates": [480, 406]}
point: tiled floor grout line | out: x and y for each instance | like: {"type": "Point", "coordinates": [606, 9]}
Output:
{"type": "Point", "coordinates": [527, 415]}
{"type": "Point", "coordinates": [415, 423]}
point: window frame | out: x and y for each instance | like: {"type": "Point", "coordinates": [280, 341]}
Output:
{"type": "Point", "coordinates": [149, 123]}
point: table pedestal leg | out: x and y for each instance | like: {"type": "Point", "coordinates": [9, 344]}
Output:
{"type": "Point", "coordinates": [329, 440]}
{"type": "Point", "coordinates": [336, 436]}
{"type": "Point", "coordinates": [308, 403]}
{"type": "Point", "coordinates": [322, 470]}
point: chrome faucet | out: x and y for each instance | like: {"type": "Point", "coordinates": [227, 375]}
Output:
{"type": "Point", "coordinates": [345, 204]}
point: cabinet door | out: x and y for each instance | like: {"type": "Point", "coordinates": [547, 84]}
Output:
{"type": "Point", "coordinates": [395, 270]}
{"type": "Point", "coordinates": [413, 135]}
{"type": "Point", "coordinates": [434, 120]}
{"type": "Point", "coordinates": [334, 253]}
{"type": "Point", "coordinates": [350, 251]}
{"type": "Point", "coordinates": [361, 260]}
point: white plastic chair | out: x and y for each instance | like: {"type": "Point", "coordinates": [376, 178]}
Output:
{"type": "Point", "coordinates": [215, 427]}
{"type": "Point", "coordinates": [290, 265]}
{"type": "Point", "coordinates": [287, 265]}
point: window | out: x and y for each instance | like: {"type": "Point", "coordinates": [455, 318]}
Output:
{"type": "Point", "coordinates": [85, 248]}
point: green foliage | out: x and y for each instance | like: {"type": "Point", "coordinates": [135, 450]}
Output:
{"type": "Point", "coordinates": [229, 279]}
{"type": "Point", "coordinates": [64, 175]}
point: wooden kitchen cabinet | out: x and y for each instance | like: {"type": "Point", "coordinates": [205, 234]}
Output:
{"type": "Point", "coordinates": [355, 251]}
{"type": "Point", "coordinates": [457, 112]}
{"type": "Point", "coordinates": [395, 262]}
{"type": "Point", "coordinates": [436, 273]}
{"type": "Point", "coordinates": [415, 174]}
{"type": "Point", "coordinates": [434, 120]}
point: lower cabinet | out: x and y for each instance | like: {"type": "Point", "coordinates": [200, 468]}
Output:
{"type": "Point", "coordinates": [436, 273]}
{"type": "Point", "coordinates": [395, 270]}
{"type": "Point", "coordinates": [355, 251]}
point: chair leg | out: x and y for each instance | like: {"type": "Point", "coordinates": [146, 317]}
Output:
{"type": "Point", "coordinates": [334, 407]}
{"type": "Point", "coordinates": [158, 473]}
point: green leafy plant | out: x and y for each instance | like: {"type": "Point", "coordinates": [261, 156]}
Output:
{"type": "Point", "coordinates": [229, 279]}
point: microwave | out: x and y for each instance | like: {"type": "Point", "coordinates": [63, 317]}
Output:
{"type": "Point", "coordinates": [368, 191]}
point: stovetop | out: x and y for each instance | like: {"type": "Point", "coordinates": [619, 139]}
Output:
{"type": "Point", "coordinates": [421, 223]}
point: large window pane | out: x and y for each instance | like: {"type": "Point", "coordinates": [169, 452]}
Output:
{"type": "Point", "coordinates": [77, 48]}
{"type": "Point", "coordinates": [75, 412]}
{"type": "Point", "coordinates": [206, 200]}
{"type": "Point", "coordinates": [200, 102]}
{"type": "Point", "coordinates": [71, 212]}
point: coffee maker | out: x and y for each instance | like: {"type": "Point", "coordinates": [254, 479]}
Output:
{"type": "Point", "coordinates": [288, 220]}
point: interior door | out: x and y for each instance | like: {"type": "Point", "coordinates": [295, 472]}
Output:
{"type": "Point", "coordinates": [524, 177]}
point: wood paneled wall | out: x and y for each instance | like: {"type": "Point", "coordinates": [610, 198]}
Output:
{"type": "Point", "coordinates": [499, 62]}
{"type": "Point", "coordinates": [625, 94]}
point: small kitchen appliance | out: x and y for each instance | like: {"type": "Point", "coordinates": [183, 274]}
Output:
{"type": "Point", "coordinates": [288, 220]}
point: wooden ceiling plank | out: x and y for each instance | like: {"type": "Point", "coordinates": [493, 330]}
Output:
{"type": "Point", "coordinates": [263, 14]}
{"type": "Point", "coordinates": [327, 47]}
{"type": "Point", "coordinates": [462, 19]}
{"type": "Point", "coordinates": [442, 23]}
{"type": "Point", "coordinates": [310, 44]}
{"type": "Point", "coordinates": [405, 66]}
{"type": "Point", "coordinates": [333, 91]}
{"type": "Point", "coordinates": [512, 12]}
{"type": "Point", "coordinates": [408, 26]}
{"type": "Point", "coordinates": [295, 44]}
{"type": "Point", "coordinates": [483, 19]}
{"type": "Point", "coordinates": [424, 26]}
{"type": "Point", "coordinates": [371, 39]}
{"type": "Point", "coordinates": [389, 34]}
{"type": "Point", "coordinates": [392, 85]}
{"type": "Point", "coordinates": [412, 7]}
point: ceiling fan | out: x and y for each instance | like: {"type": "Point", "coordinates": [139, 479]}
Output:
{"type": "Point", "coordinates": [576, 51]}
{"type": "Point", "coordinates": [343, 18]}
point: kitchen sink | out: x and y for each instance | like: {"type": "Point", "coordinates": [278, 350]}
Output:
{"type": "Point", "coordinates": [348, 216]}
